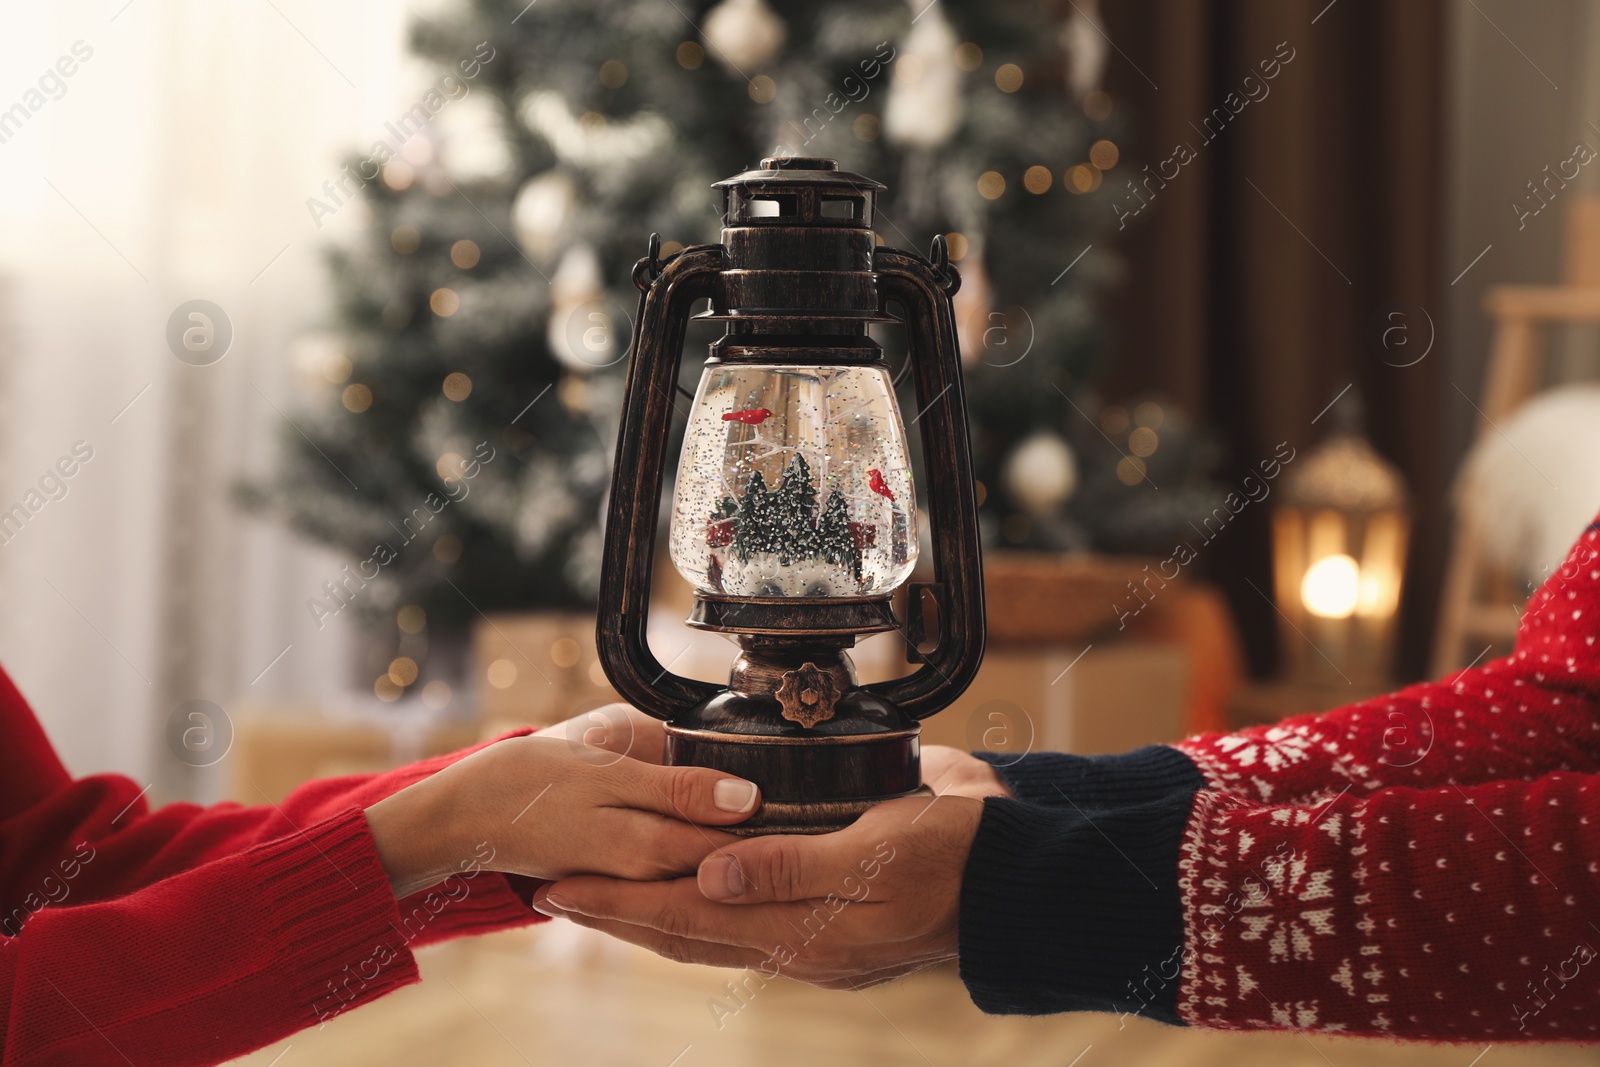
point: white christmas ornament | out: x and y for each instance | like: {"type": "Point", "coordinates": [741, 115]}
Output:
{"type": "Point", "coordinates": [924, 105]}
{"type": "Point", "coordinates": [474, 146]}
{"type": "Point", "coordinates": [540, 212]}
{"type": "Point", "coordinates": [972, 304]}
{"type": "Point", "coordinates": [1508, 485]}
{"type": "Point", "coordinates": [1041, 474]}
{"type": "Point", "coordinates": [581, 333]}
{"type": "Point", "coordinates": [593, 145]}
{"type": "Point", "coordinates": [743, 35]}
{"type": "Point", "coordinates": [1084, 40]}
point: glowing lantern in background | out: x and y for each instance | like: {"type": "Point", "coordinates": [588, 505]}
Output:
{"type": "Point", "coordinates": [1339, 552]}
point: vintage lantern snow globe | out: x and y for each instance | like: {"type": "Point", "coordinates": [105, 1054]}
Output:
{"type": "Point", "coordinates": [794, 516]}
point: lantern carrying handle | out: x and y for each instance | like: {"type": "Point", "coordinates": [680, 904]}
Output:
{"type": "Point", "coordinates": [670, 289]}
{"type": "Point", "coordinates": [939, 260]}
{"type": "Point", "coordinates": [648, 269]}
{"type": "Point", "coordinates": [924, 289]}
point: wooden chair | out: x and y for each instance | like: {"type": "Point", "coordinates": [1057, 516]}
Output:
{"type": "Point", "coordinates": [1478, 606]}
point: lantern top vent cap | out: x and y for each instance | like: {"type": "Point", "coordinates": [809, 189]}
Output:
{"type": "Point", "coordinates": [802, 170]}
{"type": "Point", "coordinates": [1345, 472]}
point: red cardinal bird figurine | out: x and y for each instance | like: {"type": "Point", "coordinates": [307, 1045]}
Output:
{"type": "Point", "coordinates": [752, 417]}
{"type": "Point", "coordinates": [876, 483]}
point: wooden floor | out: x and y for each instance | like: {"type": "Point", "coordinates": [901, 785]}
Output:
{"type": "Point", "coordinates": [560, 995]}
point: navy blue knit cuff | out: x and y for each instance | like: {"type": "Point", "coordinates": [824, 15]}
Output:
{"type": "Point", "coordinates": [1064, 911]}
{"type": "Point", "coordinates": [1096, 783]}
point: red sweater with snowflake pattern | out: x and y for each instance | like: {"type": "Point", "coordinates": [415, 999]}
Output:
{"type": "Point", "coordinates": [1424, 864]}
{"type": "Point", "coordinates": [191, 935]}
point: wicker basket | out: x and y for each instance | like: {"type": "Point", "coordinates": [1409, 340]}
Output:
{"type": "Point", "coordinates": [1037, 598]}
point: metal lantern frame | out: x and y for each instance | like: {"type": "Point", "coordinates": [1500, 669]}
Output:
{"type": "Point", "coordinates": [1344, 501]}
{"type": "Point", "coordinates": [797, 279]}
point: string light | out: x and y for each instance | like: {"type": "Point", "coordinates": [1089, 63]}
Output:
{"type": "Point", "coordinates": [403, 671]}
{"type": "Point", "coordinates": [1008, 78]}
{"type": "Point", "coordinates": [338, 368]}
{"type": "Point", "coordinates": [502, 674]}
{"type": "Point", "coordinates": [444, 302]}
{"type": "Point", "coordinates": [1104, 154]}
{"type": "Point", "coordinates": [1037, 179]}
{"type": "Point", "coordinates": [1082, 179]}
{"type": "Point", "coordinates": [690, 55]}
{"type": "Point", "coordinates": [457, 386]}
{"type": "Point", "coordinates": [356, 398]}
{"type": "Point", "coordinates": [763, 89]}
{"type": "Point", "coordinates": [613, 74]}
{"type": "Point", "coordinates": [574, 394]}
{"type": "Point", "coordinates": [398, 175]}
{"type": "Point", "coordinates": [1149, 414]}
{"type": "Point", "coordinates": [405, 239]}
{"type": "Point", "coordinates": [969, 57]}
{"type": "Point", "coordinates": [465, 254]}
{"type": "Point", "coordinates": [991, 185]}
{"type": "Point", "coordinates": [418, 151]}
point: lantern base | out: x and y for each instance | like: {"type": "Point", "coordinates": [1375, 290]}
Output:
{"type": "Point", "coordinates": [794, 721]}
{"type": "Point", "coordinates": [809, 784]}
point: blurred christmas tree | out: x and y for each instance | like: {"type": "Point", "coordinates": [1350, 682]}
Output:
{"type": "Point", "coordinates": [488, 307]}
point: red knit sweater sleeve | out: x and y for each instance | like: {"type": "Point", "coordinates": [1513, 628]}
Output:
{"type": "Point", "coordinates": [1454, 893]}
{"type": "Point", "coordinates": [207, 964]}
{"type": "Point", "coordinates": [1535, 711]}
{"type": "Point", "coordinates": [225, 927]}
{"type": "Point", "coordinates": [1451, 913]}
{"type": "Point", "coordinates": [1425, 865]}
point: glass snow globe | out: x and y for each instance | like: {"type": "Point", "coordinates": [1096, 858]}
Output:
{"type": "Point", "coordinates": [794, 481]}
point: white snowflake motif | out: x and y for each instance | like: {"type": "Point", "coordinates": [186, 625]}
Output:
{"type": "Point", "coordinates": [1273, 748]}
{"type": "Point", "coordinates": [1288, 936]}
{"type": "Point", "coordinates": [1293, 1015]}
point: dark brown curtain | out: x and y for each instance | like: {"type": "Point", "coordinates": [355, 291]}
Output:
{"type": "Point", "coordinates": [1255, 275]}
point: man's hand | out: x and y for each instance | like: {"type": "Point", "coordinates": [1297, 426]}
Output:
{"type": "Point", "coordinates": [952, 772]}
{"type": "Point", "coordinates": [568, 799]}
{"type": "Point", "coordinates": [845, 910]}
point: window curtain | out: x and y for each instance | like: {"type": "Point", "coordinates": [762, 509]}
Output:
{"type": "Point", "coordinates": [1311, 206]}
{"type": "Point", "coordinates": [172, 163]}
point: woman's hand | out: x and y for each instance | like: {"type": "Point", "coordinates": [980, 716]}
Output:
{"type": "Point", "coordinates": [619, 729]}
{"type": "Point", "coordinates": [571, 799]}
